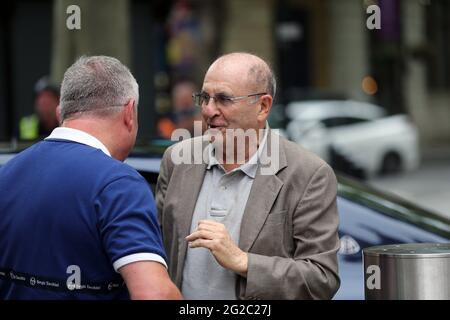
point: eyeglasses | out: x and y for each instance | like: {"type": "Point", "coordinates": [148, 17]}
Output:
{"type": "Point", "coordinates": [202, 98]}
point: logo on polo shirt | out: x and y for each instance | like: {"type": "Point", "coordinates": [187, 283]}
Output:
{"type": "Point", "coordinates": [14, 276]}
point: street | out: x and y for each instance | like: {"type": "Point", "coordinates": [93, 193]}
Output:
{"type": "Point", "coordinates": [428, 186]}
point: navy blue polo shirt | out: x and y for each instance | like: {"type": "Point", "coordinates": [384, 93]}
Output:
{"type": "Point", "coordinates": [70, 217]}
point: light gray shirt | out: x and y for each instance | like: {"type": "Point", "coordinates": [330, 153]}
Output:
{"type": "Point", "coordinates": [222, 198]}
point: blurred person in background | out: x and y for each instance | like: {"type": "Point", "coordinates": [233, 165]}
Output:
{"type": "Point", "coordinates": [184, 111]}
{"type": "Point", "coordinates": [42, 122]}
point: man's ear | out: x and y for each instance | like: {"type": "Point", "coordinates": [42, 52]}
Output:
{"type": "Point", "coordinates": [58, 113]}
{"type": "Point", "coordinates": [265, 107]}
{"type": "Point", "coordinates": [128, 115]}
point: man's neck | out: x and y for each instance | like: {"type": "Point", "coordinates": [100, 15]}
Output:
{"type": "Point", "coordinates": [95, 128]}
{"type": "Point", "coordinates": [236, 157]}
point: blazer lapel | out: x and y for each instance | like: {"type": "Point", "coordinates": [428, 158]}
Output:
{"type": "Point", "coordinates": [193, 176]}
{"type": "Point", "coordinates": [263, 194]}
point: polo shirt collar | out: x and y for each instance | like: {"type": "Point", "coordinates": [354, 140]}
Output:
{"type": "Point", "coordinates": [251, 166]}
{"type": "Point", "coordinates": [79, 136]}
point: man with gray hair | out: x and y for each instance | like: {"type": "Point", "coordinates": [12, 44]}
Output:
{"type": "Point", "coordinates": [88, 228]}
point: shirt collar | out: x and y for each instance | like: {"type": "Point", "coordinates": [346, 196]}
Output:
{"type": "Point", "coordinates": [251, 166]}
{"type": "Point", "coordinates": [79, 136]}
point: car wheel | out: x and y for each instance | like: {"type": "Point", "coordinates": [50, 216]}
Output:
{"type": "Point", "coordinates": [392, 163]}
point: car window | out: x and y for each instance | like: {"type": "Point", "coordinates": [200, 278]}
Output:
{"type": "Point", "coordinates": [341, 121]}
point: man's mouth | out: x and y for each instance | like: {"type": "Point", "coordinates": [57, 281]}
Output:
{"type": "Point", "coordinates": [216, 126]}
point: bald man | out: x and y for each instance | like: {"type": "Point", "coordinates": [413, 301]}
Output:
{"type": "Point", "coordinates": [256, 217]}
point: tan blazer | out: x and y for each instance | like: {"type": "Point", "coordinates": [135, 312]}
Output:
{"type": "Point", "coordinates": [289, 226]}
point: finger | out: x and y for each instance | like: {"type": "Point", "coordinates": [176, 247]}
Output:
{"type": "Point", "coordinates": [207, 228]}
{"type": "Point", "coordinates": [201, 243]}
{"type": "Point", "coordinates": [210, 223]}
{"type": "Point", "coordinates": [211, 226]}
{"type": "Point", "coordinates": [200, 234]}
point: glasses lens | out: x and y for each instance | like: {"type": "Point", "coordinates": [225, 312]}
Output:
{"type": "Point", "coordinates": [198, 99]}
{"type": "Point", "coordinates": [223, 100]}
{"type": "Point", "coordinates": [204, 98]}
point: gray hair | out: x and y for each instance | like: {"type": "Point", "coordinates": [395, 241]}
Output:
{"type": "Point", "coordinates": [97, 85]}
{"type": "Point", "coordinates": [264, 77]}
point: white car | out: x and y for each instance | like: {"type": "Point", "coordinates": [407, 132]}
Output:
{"type": "Point", "coordinates": [358, 131]}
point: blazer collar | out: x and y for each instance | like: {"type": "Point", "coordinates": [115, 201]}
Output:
{"type": "Point", "coordinates": [194, 175]}
{"type": "Point", "coordinates": [264, 192]}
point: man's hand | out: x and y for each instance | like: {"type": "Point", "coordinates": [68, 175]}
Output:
{"type": "Point", "coordinates": [215, 237]}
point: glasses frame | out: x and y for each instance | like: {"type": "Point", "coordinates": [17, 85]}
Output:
{"type": "Point", "coordinates": [197, 95]}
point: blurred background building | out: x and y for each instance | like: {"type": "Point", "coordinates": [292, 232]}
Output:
{"type": "Point", "coordinates": [318, 48]}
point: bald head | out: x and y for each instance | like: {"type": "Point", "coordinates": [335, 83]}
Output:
{"type": "Point", "coordinates": [257, 72]}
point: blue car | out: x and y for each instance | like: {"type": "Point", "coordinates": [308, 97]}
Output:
{"type": "Point", "coordinates": [367, 218]}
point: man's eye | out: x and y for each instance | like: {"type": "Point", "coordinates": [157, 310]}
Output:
{"type": "Point", "coordinates": [223, 99]}
{"type": "Point", "coordinates": [204, 97]}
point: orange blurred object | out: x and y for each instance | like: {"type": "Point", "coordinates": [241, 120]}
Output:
{"type": "Point", "coordinates": [369, 85]}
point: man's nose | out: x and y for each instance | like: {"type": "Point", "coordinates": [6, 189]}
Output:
{"type": "Point", "coordinates": [210, 108]}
